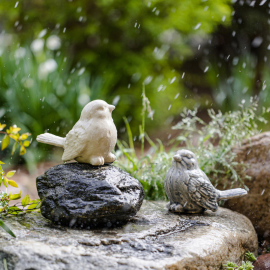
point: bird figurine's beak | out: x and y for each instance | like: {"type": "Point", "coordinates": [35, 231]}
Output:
{"type": "Point", "coordinates": [111, 108]}
{"type": "Point", "coordinates": [177, 158]}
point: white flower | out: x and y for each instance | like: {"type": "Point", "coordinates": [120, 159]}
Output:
{"type": "Point", "coordinates": [53, 42]}
{"type": "Point", "coordinates": [20, 53]}
{"type": "Point", "coordinates": [46, 68]}
{"type": "Point", "coordinates": [37, 45]}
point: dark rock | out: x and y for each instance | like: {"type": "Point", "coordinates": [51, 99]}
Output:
{"type": "Point", "coordinates": [81, 195]}
{"type": "Point", "coordinates": [255, 155]}
{"type": "Point", "coordinates": [154, 239]}
{"type": "Point", "coordinates": [262, 263]}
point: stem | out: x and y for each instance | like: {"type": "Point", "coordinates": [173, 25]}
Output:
{"type": "Point", "coordinates": [3, 132]}
{"type": "Point", "coordinates": [143, 120]}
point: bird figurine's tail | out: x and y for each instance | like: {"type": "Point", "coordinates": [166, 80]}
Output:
{"type": "Point", "coordinates": [49, 138]}
{"type": "Point", "coordinates": [231, 193]}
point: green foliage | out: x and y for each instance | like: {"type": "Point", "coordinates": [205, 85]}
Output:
{"type": "Point", "coordinates": [121, 44]}
{"type": "Point", "coordinates": [212, 143]}
{"type": "Point", "coordinates": [250, 257]}
{"type": "Point", "coordinates": [5, 198]}
{"type": "Point", "coordinates": [245, 265]}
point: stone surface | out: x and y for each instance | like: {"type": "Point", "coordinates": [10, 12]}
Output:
{"type": "Point", "coordinates": [154, 239]}
{"type": "Point", "coordinates": [255, 154]}
{"type": "Point", "coordinates": [77, 195]}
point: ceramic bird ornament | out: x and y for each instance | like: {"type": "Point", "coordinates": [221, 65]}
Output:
{"type": "Point", "coordinates": [189, 189]}
{"type": "Point", "coordinates": [92, 138]}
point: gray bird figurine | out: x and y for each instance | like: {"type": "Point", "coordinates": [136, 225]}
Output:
{"type": "Point", "coordinates": [92, 138]}
{"type": "Point", "coordinates": [189, 189]}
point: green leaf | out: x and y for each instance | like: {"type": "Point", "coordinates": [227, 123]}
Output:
{"type": "Point", "coordinates": [5, 142]}
{"type": "Point", "coordinates": [15, 196]}
{"type": "Point", "coordinates": [25, 200]}
{"type": "Point", "coordinates": [14, 147]}
{"type": "Point", "coordinates": [10, 174]}
{"type": "Point", "coordinates": [4, 179]}
{"type": "Point", "coordinates": [1, 162]}
{"type": "Point", "coordinates": [32, 206]}
{"type": "Point", "coordinates": [14, 210]}
{"type": "Point", "coordinates": [6, 228]}
{"type": "Point", "coordinates": [12, 183]}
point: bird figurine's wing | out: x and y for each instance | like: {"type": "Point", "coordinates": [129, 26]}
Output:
{"type": "Point", "coordinates": [74, 142]}
{"type": "Point", "coordinates": [202, 192]}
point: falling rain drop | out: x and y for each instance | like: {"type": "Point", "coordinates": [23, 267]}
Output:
{"type": "Point", "coordinates": [197, 26]}
{"type": "Point", "coordinates": [116, 100]}
{"type": "Point", "coordinates": [17, 3]}
{"type": "Point", "coordinates": [173, 80]}
{"type": "Point", "coordinates": [206, 69]}
{"type": "Point", "coordinates": [257, 41]}
{"type": "Point", "coordinates": [262, 2]}
{"type": "Point", "coordinates": [81, 71]}
{"type": "Point", "coordinates": [42, 33]}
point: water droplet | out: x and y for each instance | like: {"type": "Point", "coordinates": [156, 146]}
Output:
{"type": "Point", "coordinates": [257, 41]}
{"type": "Point", "coordinates": [17, 3]}
{"type": "Point", "coordinates": [42, 33]}
{"type": "Point", "coordinates": [116, 100]}
{"type": "Point", "coordinates": [64, 30]}
{"type": "Point", "coordinates": [81, 71]}
{"type": "Point", "coordinates": [262, 2]}
{"type": "Point", "coordinates": [173, 80]}
{"type": "Point", "coordinates": [148, 79]}
{"type": "Point", "coordinates": [206, 69]}
{"type": "Point", "coordinates": [183, 75]}
{"type": "Point", "coordinates": [176, 96]}
{"type": "Point", "coordinates": [197, 26]}
{"type": "Point", "coordinates": [169, 107]}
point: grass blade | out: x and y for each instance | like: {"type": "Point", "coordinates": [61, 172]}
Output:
{"type": "Point", "coordinates": [6, 228]}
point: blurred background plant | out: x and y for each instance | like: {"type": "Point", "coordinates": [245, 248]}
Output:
{"type": "Point", "coordinates": [57, 56]}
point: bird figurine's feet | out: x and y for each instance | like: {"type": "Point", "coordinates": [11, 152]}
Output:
{"type": "Point", "coordinates": [110, 158]}
{"type": "Point", "coordinates": [175, 207]}
{"type": "Point", "coordinates": [97, 161]}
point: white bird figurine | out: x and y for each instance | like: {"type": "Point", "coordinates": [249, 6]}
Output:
{"type": "Point", "coordinates": [189, 189]}
{"type": "Point", "coordinates": [92, 138]}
